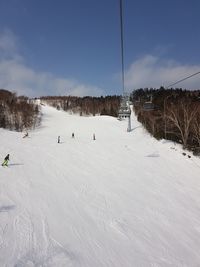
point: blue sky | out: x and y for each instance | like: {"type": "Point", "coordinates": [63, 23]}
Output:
{"type": "Point", "coordinates": [73, 46]}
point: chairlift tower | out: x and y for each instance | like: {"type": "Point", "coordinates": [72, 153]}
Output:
{"type": "Point", "coordinates": [124, 110]}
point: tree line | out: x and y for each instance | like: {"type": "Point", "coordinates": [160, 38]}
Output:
{"type": "Point", "coordinates": [108, 105]}
{"type": "Point", "coordinates": [17, 112]}
{"type": "Point", "coordinates": [173, 114]}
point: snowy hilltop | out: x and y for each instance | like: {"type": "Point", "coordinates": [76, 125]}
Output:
{"type": "Point", "coordinates": [121, 200]}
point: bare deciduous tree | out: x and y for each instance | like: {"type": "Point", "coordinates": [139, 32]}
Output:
{"type": "Point", "coordinates": [196, 128]}
{"type": "Point", "coordinates": [182, 115]}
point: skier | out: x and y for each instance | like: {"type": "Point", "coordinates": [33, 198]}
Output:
{"type": "Point", "coordinates": [94, 138]}
{"type": "Point", "coordinates": [58, 139]}
{"type": "Point", "coordinates": [72, 135]}
{"type": "Point", "coordinates": [5, 163]}
{"type": "Point", "coordinates": [25, 135]}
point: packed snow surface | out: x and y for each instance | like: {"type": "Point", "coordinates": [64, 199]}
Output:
{"type": "Point", "coordinates": [122, 200]}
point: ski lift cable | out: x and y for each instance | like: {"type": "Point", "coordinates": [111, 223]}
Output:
{"type": "Point", "coordinates": [122, 45]}
{"type": "Point", "coordinates": [183, 79]}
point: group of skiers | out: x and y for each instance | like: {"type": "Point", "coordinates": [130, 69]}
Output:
{"type": "Point", "coordinates": [59, 137]}
{"type": "Point", "coordinates": [7, 158]}
{"type": "Point", "coordinates": [73, 136]}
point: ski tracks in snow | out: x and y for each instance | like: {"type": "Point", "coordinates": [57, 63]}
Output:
{"type": "Point", "coordinates": [34, 245]}
{"type": "Point", "coordinates": [31, 243]}
{"type": "Point", "coordinates": [99, 207]}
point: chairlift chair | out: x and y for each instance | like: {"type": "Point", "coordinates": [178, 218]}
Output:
{"type": "Point", "coordinates": [124, 110]}
{"type": "Point", "coordinates": [148, 106]}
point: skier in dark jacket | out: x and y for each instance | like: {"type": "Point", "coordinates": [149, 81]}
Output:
{"type": "Point", "coordinates": [7, 158]}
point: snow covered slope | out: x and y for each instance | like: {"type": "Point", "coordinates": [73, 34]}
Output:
{"type": "Point", "coordinates": [123, 200]}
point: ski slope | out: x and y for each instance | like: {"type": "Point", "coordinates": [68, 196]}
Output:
{"type": "Point", "coordinates": [123, 200]}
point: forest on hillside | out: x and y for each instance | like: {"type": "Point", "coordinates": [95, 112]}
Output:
{"type": "Point", "coordinates": [108, 105]}
{"type": "Point", "coordinates": [172, 114]}
{"type": "Point", "coordinates": [17, 112]}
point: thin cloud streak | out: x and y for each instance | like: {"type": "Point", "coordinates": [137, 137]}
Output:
{"type": "Point", "coordinates": [8, 43]}
{"type": "Point", "coordinates": [151, 71]}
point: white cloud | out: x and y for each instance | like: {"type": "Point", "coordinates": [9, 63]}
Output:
{"type": "Point", "coordinates": [151, 71]}
{"type": "Point", "coordinates": [16, 76]}
{"type": "Point", "coordinates": [147, 71]}
{"type": "Point", "coordinates": [25, 81]}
